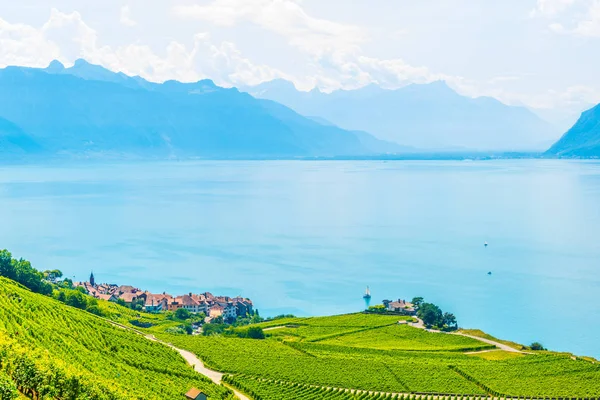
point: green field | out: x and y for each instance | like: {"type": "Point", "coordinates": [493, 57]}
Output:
{"type": "Point", "coordinates": [310, 356]}
{"type": "Point", "coordinates": [403, 337]}
{"type": "Point", "coordinates": [55, 351]}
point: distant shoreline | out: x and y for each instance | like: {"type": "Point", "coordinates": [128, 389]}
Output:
{"type": "Point", "coordinates": [103, 158]}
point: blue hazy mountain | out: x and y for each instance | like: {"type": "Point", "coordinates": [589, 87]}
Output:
{"type": "Point", "coordinates": [14, 141]}
{"type": "Point", "coordinates": [583, 139]}
{"type": "Point", "coordinates": [89, 109]}
{"type": "Point", "coordinates": [426, 116]}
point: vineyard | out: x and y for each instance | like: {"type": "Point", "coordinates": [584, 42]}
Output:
{"type": "Point", "coordinates": [49, 350]}
{"type": "Point", "coordinates": [407, 338]}
{"type": "Point", "coordinates": [308, 357]}
{"type": "Point", "coordinates": [272, 389]}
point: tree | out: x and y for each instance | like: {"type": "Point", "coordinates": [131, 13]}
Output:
{"type": "Point", "coordinates": [61, 296]}
{"type": "Point", "coordinates": [217, 320]}
{"type": "Point", "coordinates": [76, 299]}
{"type": "Point", "coordinates": [53, 275]}
{"type": "Point", "coordinates": [431, 315]}
{"type": "Point", "coordinates": [450, 321]}
{"type": "Point", "coordinates": [182, 314]}
{"type": "Point", "coordinates": [7, 268]}
{"type": "Point", "coordinates": [537, 346]}
{"type": "Point", "coordinates": [417, 301]}
{"type": "Point", "coordinates": [213, 329]}
{"type": "Point", "coordinates": [255, 332]}
{"type": "Point", "coordinates": [67, 283]}
{"type": "Point", "coordinates": [121, 302]}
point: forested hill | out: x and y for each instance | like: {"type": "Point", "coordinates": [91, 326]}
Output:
{"type": "Point", "coordinates": [88, 110]}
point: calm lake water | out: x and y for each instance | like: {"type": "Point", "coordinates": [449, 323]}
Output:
{"type": "Point", "coordinates": [308, 237]}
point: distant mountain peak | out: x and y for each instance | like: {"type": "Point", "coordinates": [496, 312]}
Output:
{"type": "Point", "coordinates": [55, 66]}
{"type": "Point", "coordinates": [83, 65]}
{"type": "Point", "coordinates": [423, 115]}
{"type": "Point", "coordinates": [440, 83]}
{"type": "Point", "coordinates": [80, 62]}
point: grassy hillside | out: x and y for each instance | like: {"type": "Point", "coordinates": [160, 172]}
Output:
{"type": "Point", "coordinates": [49, 349]}
{"type": "Point", "coordinates": [306, 358]}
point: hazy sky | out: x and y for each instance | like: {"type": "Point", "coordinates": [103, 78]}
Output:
{"type": "Point", "coordinates": [542, 53]}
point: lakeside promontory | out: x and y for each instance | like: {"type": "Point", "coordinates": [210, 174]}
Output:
{"type": "Point", "coordinates": [51, 348]}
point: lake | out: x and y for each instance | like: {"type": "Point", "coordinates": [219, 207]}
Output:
{"type": "Point", "coordinates": [307, 237]}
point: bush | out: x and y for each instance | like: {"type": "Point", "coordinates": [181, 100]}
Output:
{"type": "Point", "coordinates": [537, 346]}
{"type": "Point", "coordinates": [94, 310]}
{"type": "Point", "coordinates": [182, 314]}
{"type": "Point", "coordinates": [8, 389]}
{"type": "Point", "coordinates": [255, 332]}
{"type": "Point", "coordinates": [213, 329]}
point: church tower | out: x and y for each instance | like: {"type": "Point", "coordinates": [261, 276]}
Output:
{"type": "Point", "coordinates": [92, 280]}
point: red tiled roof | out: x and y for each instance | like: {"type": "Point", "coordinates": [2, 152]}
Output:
{"type": "Point", "coordinates": [128, 297]}
{"type": "Point", "coordinates": [193, 393]}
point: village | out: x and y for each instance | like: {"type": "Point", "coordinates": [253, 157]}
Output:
{"type": "Point", "coordinates": [229, 308]}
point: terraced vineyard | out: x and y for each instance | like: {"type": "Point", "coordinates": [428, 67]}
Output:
{"type": "Point", "coordinates": [407, 338]}
{"type": "Point", "coordinates": [50, 350]}
{"type": "Point", "coordinates": [373, 353]}
{"type": "Point", "coordinates": [272, 389]}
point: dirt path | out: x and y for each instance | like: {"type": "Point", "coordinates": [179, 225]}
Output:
{"type": "Point", "coordinates": [419, 324]}
{"type": "Point", "coordinates": [274, 327]}
{"type": "Point", "coordinates": [215, 376]}
{"type": "Point", "coordinates": [499, 345]}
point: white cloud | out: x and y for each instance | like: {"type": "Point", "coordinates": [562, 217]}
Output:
{"type": "Point", "coordinates": [284, 17]}
{"type": "Point", "coordinates": [571, 17]}
{"type": "Point", "coordinates": [66, 37]}
{"type": "Point", "coordinates": [551, 7]}
{"type": "Point", "coordinates": [126, 17]}
{"type": "Point", "coordinates": [334, 48]}
{"type": "Point", "coordinates": [332, 64]}
{"type": "Point", "coordinates": [590, 26]}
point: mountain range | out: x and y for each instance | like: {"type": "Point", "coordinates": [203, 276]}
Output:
{"type": "Point", "coordinates": [87, 109]}
{"type": "Point", "coordinates": [583, 139]}
{"type": "Point", "coordinates": [427, 116]}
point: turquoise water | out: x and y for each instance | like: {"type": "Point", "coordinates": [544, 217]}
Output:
{"type": "Point", "coordinates": [307, 237]}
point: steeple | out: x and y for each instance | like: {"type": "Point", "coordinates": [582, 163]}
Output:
{"type": "Point", "coordinates": [92, 280]}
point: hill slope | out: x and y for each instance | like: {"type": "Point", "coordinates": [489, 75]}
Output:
{"type": "Point", "coordinates": [429, 116]}
{"type": "Point", "coordinates": [57, 351]}
{"type": "Point", "coordinates": [88, 109]}
{"type": "Point", "coordinates": [583, 139]}
{"type": "Point", "coordinates": [374, 353]}
{"type": "Point", "coordinates": [14, 141]}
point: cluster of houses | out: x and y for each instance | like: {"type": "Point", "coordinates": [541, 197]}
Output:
{"type": "Point", "coordinates": [212, 306]}
{"type": "Point", "coordinates": [400, 306]}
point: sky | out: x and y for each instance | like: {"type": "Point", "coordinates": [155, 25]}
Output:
{"type": "Point", "coordinates": [543, 54]}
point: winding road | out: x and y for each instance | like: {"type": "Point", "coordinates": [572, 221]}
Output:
{"type": "Point", "coordinates": [215, 376]}
{"type": "Point", "coordinates": [419, 324]}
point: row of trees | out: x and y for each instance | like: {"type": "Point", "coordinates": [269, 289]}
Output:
{"type": "Point", "coordinates": [47, 283]}
{"type": "Point", "coordinates": [22, 272]}
{"type": "Point", "coordinates": [433, 316]}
